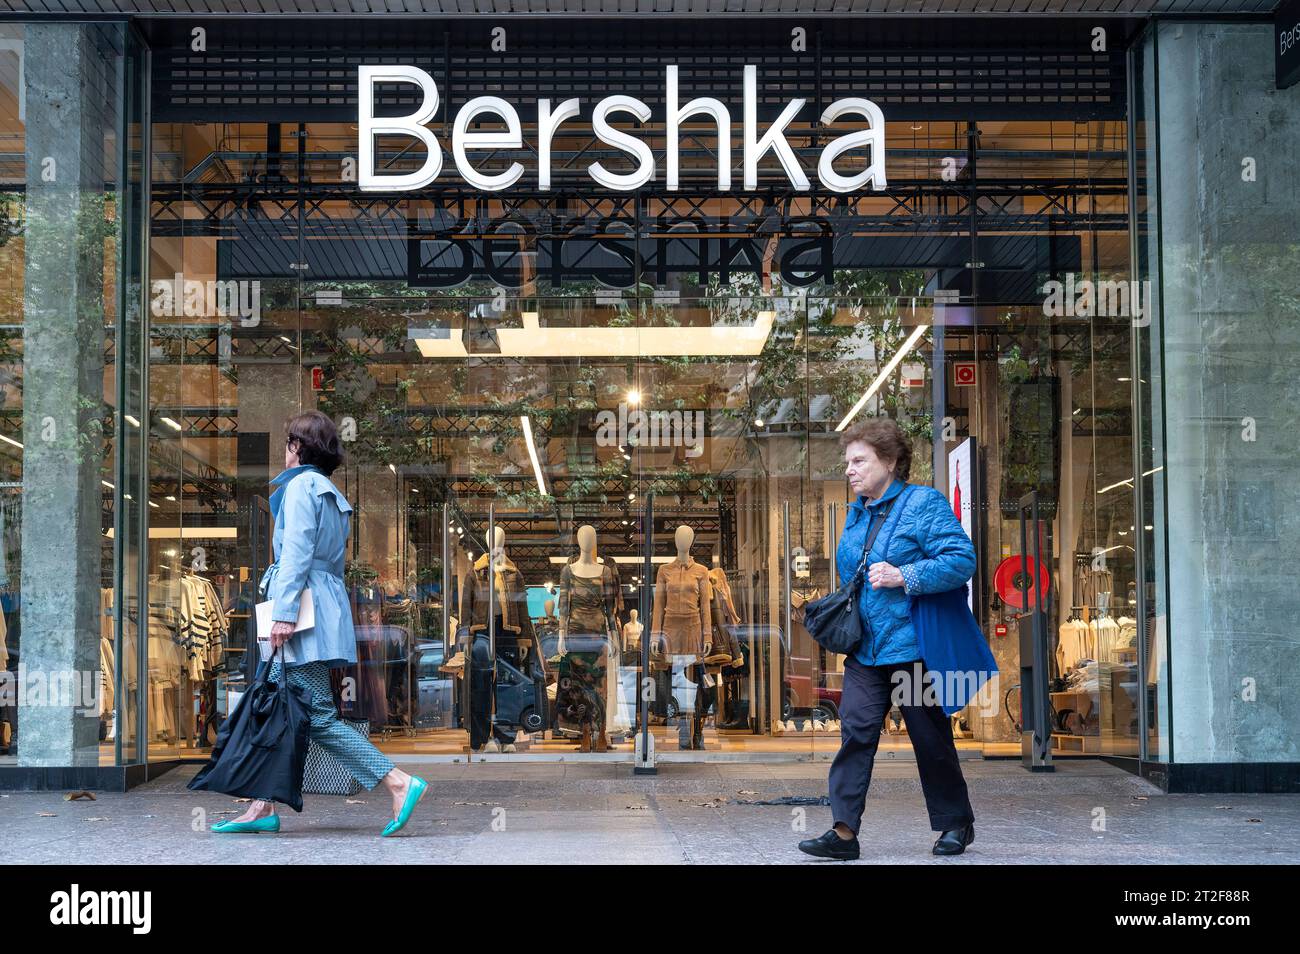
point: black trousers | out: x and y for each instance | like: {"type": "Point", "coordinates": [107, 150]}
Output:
{"type": "Point", "coordinates": [863, 706]}
{"type": "Point", "coordinates": [482, 689]}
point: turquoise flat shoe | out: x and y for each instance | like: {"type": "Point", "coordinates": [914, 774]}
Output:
{"type": "Point", "coordinates": [413, 795]}
{"type": "Point", "coordinates": [267, 823]}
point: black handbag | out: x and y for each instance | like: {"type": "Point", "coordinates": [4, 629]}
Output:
{"type": "Point", "coordinates": [261, 749]}
{"type": "Point", "coordinates": [832, 620]}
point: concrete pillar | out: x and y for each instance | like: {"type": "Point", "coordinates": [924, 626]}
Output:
{"type": "Point", "coordinates": [1228, 204]}
{"type": "Point", "coordinates": [70, 105]}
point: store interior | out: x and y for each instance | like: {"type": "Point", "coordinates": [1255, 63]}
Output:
{"type": "Point", "coordinates": [650, 436]}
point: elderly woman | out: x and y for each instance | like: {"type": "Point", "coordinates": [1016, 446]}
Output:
{"type": "Point", "coordinates": [914, 545]}
{"type": "Point", "coordinates": [311, 530]}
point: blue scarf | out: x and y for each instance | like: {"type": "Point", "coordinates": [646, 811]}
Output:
{"type": "Point", "coordinates": [281, 481]}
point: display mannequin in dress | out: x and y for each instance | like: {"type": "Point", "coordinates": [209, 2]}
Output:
{"type": "Point", "coordinates": [590, 601]}
{"type": "Point", "coordinates": [683, 607]}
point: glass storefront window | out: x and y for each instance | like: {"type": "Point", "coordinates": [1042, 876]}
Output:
{"type": "Point", "coordinates": [70, 218]}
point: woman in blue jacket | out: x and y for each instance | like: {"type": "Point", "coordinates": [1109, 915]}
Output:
{"type": "Point", "coordinates": [311, 531]}
{"type": "Point", "coordinates": [920, 547]}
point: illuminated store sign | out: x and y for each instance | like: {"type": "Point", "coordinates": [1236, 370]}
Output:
{"type": "Point", "coordinates": [756, 143]}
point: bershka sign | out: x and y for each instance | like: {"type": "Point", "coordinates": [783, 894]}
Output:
{"type": "Point", "coordinates": [755, 143]}
{"type": "Point", "coordinates": [1286, 29]}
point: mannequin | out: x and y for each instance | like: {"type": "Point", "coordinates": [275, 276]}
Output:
{"type": "Point", "coordinates": [632, 634]}
{"type": "Point", "coordinates": [513, 626]}
{"type": "Point", "coordinates": [590, 602]}
{"type": "Point", "coordinates": [725, 621]}
{"type": "Point", "coordinates": [548, 631]}
{"type": "Point", "coordinates": [682, 615]}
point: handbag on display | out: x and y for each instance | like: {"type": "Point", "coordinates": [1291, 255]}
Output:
{"type": "Point", "coordinates": [322, 774]}
{"type": "Point", "coordinates": [832, 620]}
{"type": "Point", "coordinates": [262, 746]}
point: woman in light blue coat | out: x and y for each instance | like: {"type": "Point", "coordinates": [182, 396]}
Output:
{"type": "Point", "coordinates": [311, 531]}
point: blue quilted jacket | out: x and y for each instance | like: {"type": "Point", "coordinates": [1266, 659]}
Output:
{"type": "Point", "coordinates": [923, 538]}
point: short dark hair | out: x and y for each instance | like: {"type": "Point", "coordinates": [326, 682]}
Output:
{"type": "Point", "coordinates": [886, 438]}
{"type": "Point", "coordinates": [317, 439]}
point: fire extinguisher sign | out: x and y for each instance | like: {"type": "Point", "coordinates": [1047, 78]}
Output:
{"type": "Point", "coordinates": [318, 379]}
{"type": "Point", "coordinates": [963, 374]}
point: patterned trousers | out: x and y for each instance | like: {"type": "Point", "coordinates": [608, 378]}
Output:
{"type": "Point", "coordinates": [353, 751]}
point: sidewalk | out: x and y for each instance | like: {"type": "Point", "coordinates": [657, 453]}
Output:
{"type": "Point", "coordinates": [506, 813]}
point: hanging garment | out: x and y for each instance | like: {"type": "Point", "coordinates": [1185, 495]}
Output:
{"type": "Point", "coordinates": [683, 607]}
{"type": "Point", "coordinates": [1107, 640]}
{"type": "Point", "coordinates": [722, 594]}
{"type": "Point", "coordinates": [1072, 644]}
{"type": "Point", "coordinates": [106, 662]}
{"type": "Point", "coordinates": [196, 627]}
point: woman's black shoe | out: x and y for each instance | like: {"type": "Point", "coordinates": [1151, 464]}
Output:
{"type": "Point", "coordinates": [954, 842]}
{"type": "Point", "coordinates": [831, 845]}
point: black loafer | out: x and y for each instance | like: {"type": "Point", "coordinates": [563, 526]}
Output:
{"type": "Point", "coordinates": [831, 845]}
{"type": "Point", "coordinates": [954, 842]}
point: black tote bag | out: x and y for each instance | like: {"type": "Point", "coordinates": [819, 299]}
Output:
{"type": "Point", "coordinates": [261, 749]}
{"type": "Point", "coordinates": [833, 620]}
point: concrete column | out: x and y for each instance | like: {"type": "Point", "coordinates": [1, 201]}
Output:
{"type": "Point", "coordinates": [1228, 206]}
{"type": "Point", "coordinates": [70, 103]}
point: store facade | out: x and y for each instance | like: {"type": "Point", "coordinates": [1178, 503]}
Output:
{"type": "Point", "coordinates": [574, 284]}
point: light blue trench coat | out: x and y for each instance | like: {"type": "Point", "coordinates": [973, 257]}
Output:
{"type": "Point", "coordinates": [311, 532]}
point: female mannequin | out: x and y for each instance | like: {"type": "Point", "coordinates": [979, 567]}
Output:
{"type": "Point", "coordinates": [683, 607]}
{"type": "Point", "coordinates": [590, 601]}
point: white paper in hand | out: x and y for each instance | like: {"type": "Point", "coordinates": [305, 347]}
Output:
{"type": "Point", "coordinates": [306, 620]}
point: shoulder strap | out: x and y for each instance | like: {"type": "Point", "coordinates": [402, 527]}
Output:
{"type": "Point", "coordinates": [874, 532]}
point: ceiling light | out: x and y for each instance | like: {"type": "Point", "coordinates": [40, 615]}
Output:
{"type": "Point", "coordinates": [532, 453]}
{"type": "Point", "coordinates": [131, 419]}
{"type": "Point", "coordinates": [393, 468]}
{"type": "Point", "coordinates": [187, 533]}
{"type": "Point", "coordinates": [170, 497]}
{"type": "Point", "coordinates": [1113, 486]}
{"type": "Point", "coordinates": [154, 505]}
{"type": "Point", "coordinates": [884, 375]}
{"type": "Point", "coordinates": [758, 422]}
{"type": "Point", "coordinates": [169, 422]}
{"type": "Point", "coordinates": [634, 397]}
{"type": "Point", "coordinates": [532, 341]}
{"type": "Point", "coordinates": [107, 484]}
{"type": "Point", "coordinates": [10, 440]}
